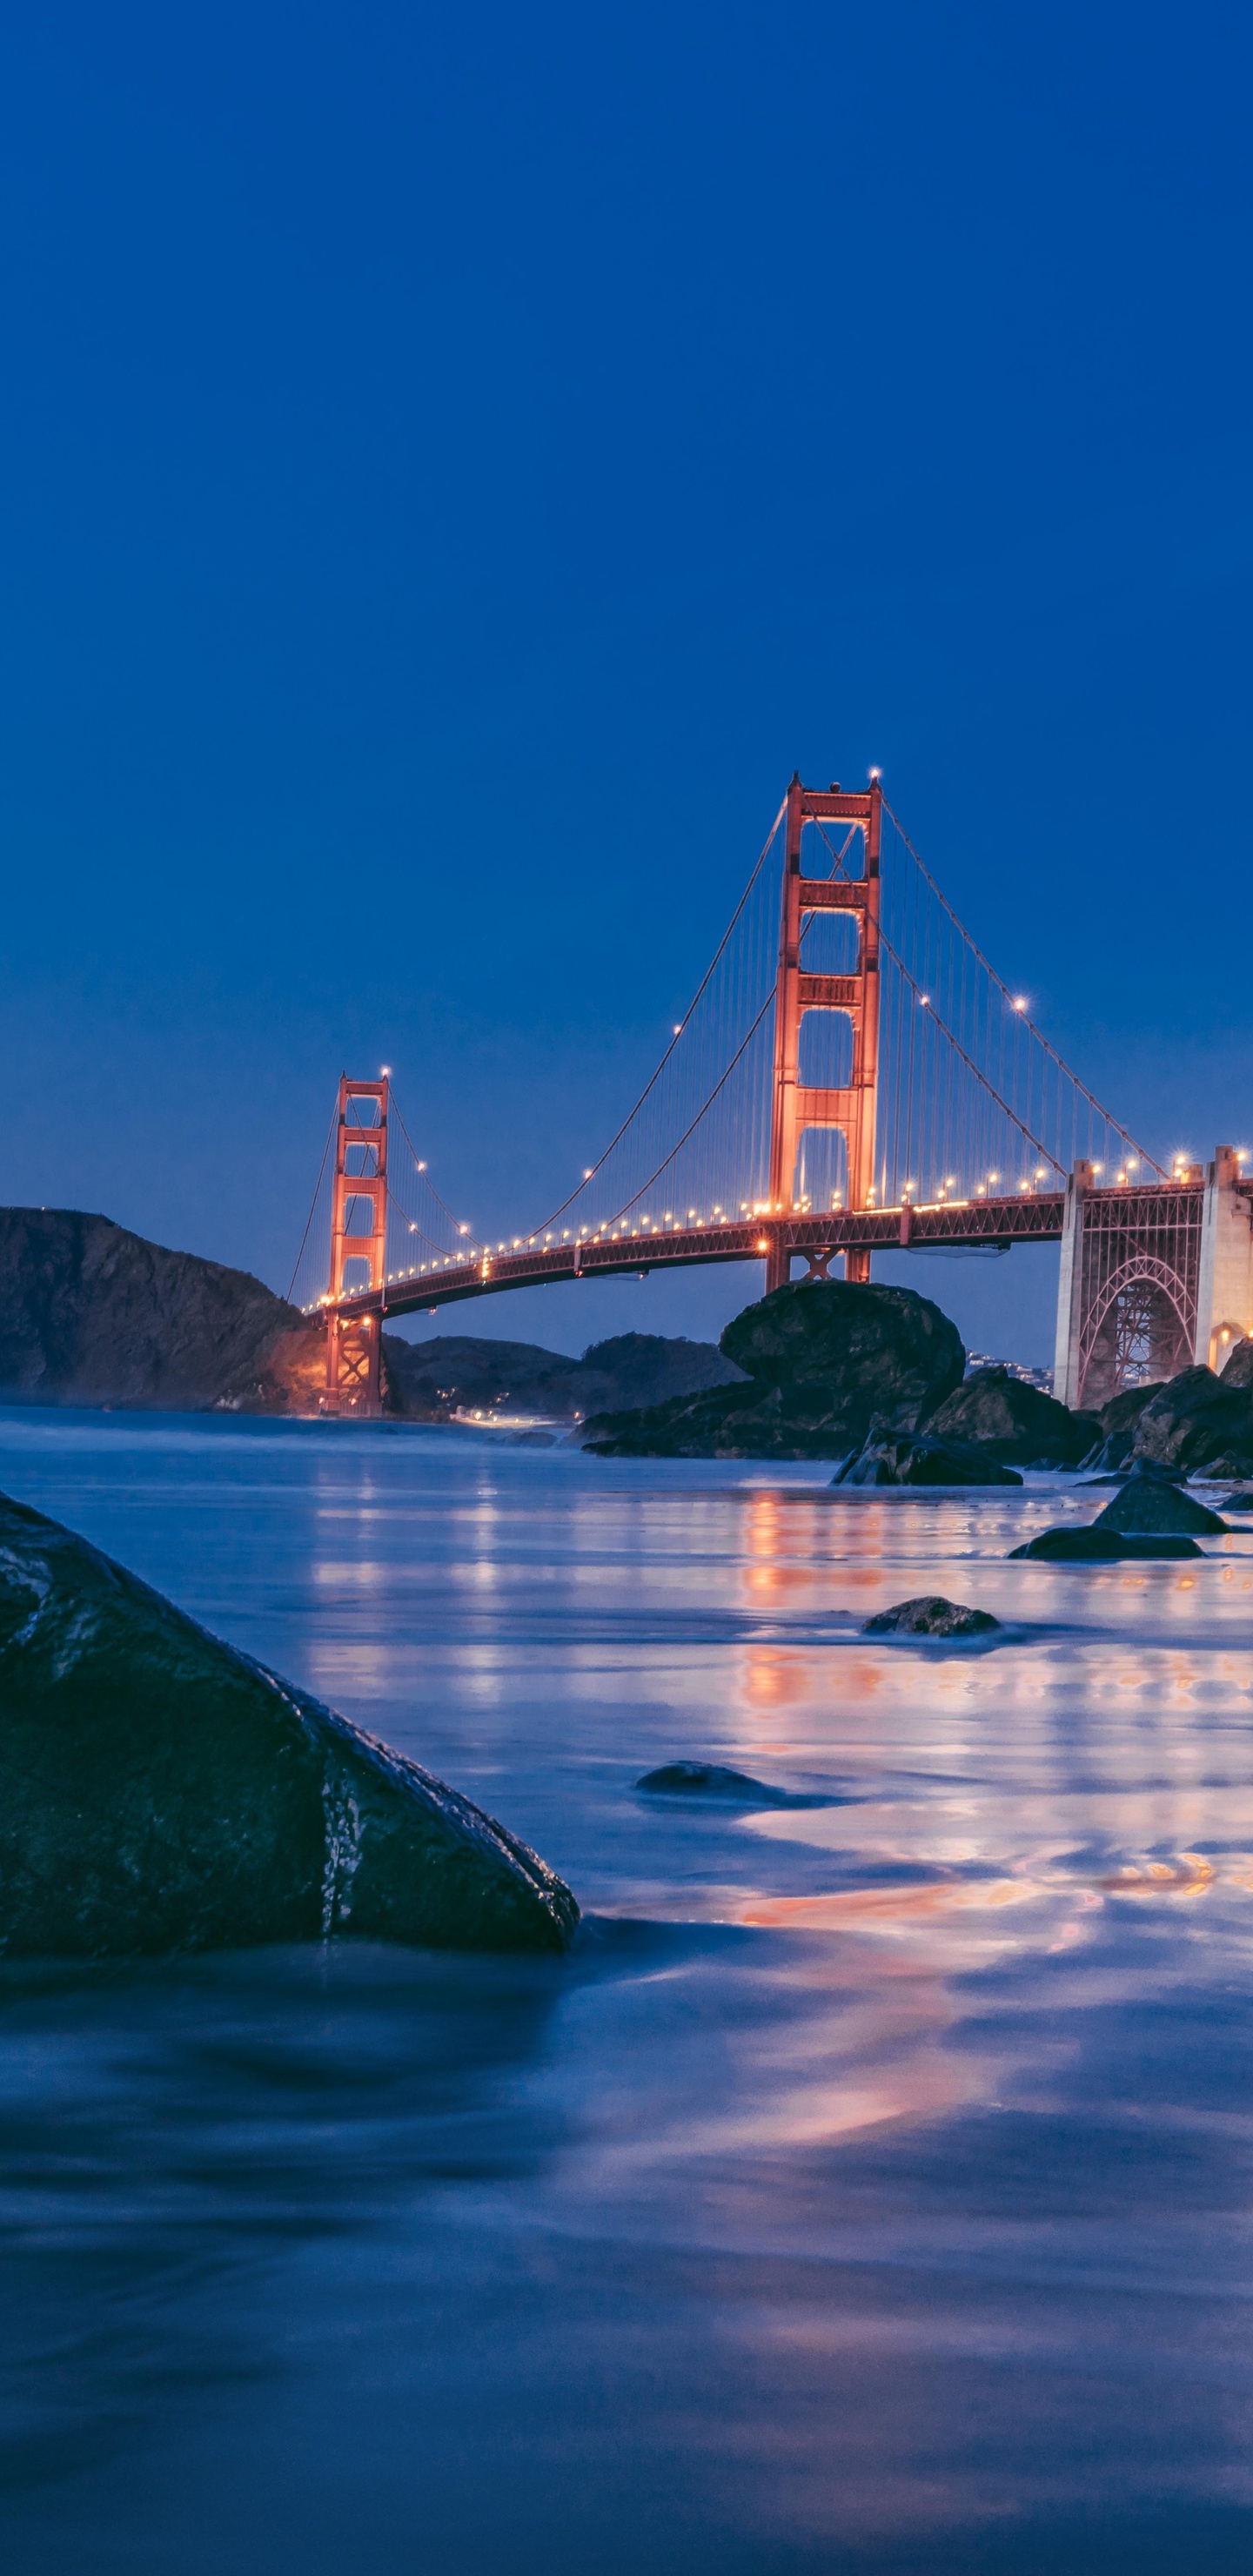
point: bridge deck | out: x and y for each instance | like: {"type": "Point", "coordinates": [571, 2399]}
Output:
{"type": "Point", "coordinates": [991, 1224]}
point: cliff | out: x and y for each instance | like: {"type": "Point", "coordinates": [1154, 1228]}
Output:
{"type": "Point", "coordinates": [91, 1314]}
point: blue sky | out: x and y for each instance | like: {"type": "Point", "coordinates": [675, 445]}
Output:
{"type": "Point", "coordinates": [457, 464]}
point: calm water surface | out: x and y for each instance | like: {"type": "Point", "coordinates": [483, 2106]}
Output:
{"type": "Point", "coordinates": [870, 2191]}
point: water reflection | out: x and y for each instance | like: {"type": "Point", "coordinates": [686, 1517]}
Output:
{"type": "Point", "coordinates": [870, 2189]}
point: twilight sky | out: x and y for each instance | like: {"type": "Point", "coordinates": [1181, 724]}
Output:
{"type": "Point", "coordinates": [457, 463]}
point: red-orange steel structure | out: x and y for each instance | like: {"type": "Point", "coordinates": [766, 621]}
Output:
{"type": "Point", "coordinates": [797, 1106]}
{"type": "Point", "coordinates": [359, 1236]}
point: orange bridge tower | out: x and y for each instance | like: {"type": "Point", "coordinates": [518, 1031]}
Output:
{"type": "Point", "coordinates": [358, 1246]}
{"type": "Point", "coordinates": [797, 1106]}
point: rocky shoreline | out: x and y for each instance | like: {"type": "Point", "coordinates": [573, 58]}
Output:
{"type": "Point", "coordinates": [872, 1378]}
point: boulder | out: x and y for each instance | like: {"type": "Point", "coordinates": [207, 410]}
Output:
{"type": "Point", "coordinates": [824, 1359]}
{"type": "Point", "coordinates": [161, 1792]}
{"type": "Point", "coordinates": [1239, 1502]}
{"type": "Point", "coordinates": [1101, 1546]}
{"type": "Point", "coordinates": [1196, 1420]}
{"type": "Point", "coordinates": [1014, 1422]}
{"type": "Point", "coordinates": [916, 1458]}
{"type": "Point", "coordinates": [891, 1350]}
{"type": "Point", "coordinates": [1154, 1503]}
{"type": "Point", "coordinates": [714, 1781]}
{"type": "Point", "coordinates": [727, 1422]}
{"type": "Point", "coordinates": [1238, 1368]}
{"type": "Point", "coordinates": [930, 1615]}
{"type": "Point", "coordinates": [1118, 1420]}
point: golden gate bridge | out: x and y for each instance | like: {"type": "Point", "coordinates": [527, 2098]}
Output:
{"type": "Point", "coordinates": [851, 1076]}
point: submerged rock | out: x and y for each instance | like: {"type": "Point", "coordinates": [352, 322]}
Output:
{"type": "Point", "coordinates": [1014, 1422]}
{"type": "Point", "coordinates": [1096, 1546]}
{"type": "Point", "coordinates": [930, 1615]}
{"type": "Point", "coordinates": [161, 1792]}
{"type": "Point", "coordinates": [823, 1360]}
{"type": "Point", "coordinates": [915, 1458]}
{"type": "Point", "coordinates": [1154, 1503]}
{"type": "Point", "coordinates": [1147, 1468]}
{"type": "Point", "coordinates": [712, 1780]}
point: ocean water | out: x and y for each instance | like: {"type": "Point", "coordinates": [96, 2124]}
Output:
{"type": "Point", "coordinates": [871, 2190]}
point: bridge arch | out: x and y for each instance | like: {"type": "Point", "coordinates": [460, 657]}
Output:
{"type": "Point", "coordinates": [1140, 1327]}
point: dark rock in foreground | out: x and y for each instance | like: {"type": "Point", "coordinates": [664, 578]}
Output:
{"type": "Point", "coordinates": [1101, 1546]}
{"type": "Point", "coordinates": [824, 1359]}
{"type": "Point", "coordinates": [1240, 1502]}
{"type": "Point", "coordinates": [1013, 1422]}
{"type": "Point", "coordinates": [930, 1615]}
{"type": "Point", "coordinates": [160, 1792]}
{"type": "Point", "coordinates": [915, 1458]}
{"type": "Point", "coordinates": [1152, 1503]}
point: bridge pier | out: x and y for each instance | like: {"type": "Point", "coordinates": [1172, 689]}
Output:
{"type": "Point", "coordinates": [818, 1262]}
{"type": "Point", "coordinates": [1225, 1286]}
{"type": "Point", "coordinates": [1067, 1368]}
{"type": "Point", "coordinates": [1151, 1279]}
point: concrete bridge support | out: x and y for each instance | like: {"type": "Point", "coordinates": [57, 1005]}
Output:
{"type": "Point", "coordinates": [1225, 1287]}
{"type": "Point", "coordinates": [1067, 1371]}
{"type": "Point", "coordinates": [1151, 1279]}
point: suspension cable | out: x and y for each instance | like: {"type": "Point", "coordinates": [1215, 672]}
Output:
{"type": "Point", "coordinates": [638, 1194]}
{"type": "Point", "coordinates": [655, 1077]}
{"type": "Point", "coordinates": [314, 1200]}
{"type": "Point", "coordinates": [990, 970]}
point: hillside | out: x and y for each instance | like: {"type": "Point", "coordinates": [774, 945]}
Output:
{"type": "Point", "coordinates": [433, 1380]}
{"type": "Point", "coordinates": [91, 1314]}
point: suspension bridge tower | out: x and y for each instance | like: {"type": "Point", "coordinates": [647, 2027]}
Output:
{"type": "Point", "coordinates": [358, 1246]}
{"type": "Point", "coordinates": [798, 1106]}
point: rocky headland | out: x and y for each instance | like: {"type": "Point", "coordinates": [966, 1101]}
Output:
{"type": "Point", "coordinates": [91, 1314]}
{"type": "Point", "coordinates": [874, 1378]}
